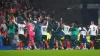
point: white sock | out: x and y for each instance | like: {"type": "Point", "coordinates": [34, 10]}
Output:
{"type": "Point", "coordinates": [84, 45]}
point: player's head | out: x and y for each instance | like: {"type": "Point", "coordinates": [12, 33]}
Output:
{"type": "Point", "coordinates": [21, 22]}
{"type": "Point", "coordinates": [80, 25]}
{"type": "Point", "coordinates": [74, 25]}
{"type": "Point", "coordinates": [29, 21]}
{"type": "Point", "coordinates": [11, 20]}
{"type": "Point", "coordinates": [39, 19]}
{"type": "Point", "coordinates": [92, 22]}
{"type": "Point", "coordinates": [59, 23]}
{"type": "Point", "coordinates": [66, 23]}
{"type": "Point", "coordinates": [44, 22]}
{"type": "Point", "coordinates": [48, 17]}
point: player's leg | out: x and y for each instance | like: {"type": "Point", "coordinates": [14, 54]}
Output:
{"type": "Point", "coordinates": [29, 44]}
{"type": "Point", "coordinates": [21, 37]}
{"type": "Point", "coordinates": [92, 42]}
{"type": "Point", "coordinates": [68, 45]}
{"type": "Point", "coordinates": [20, 45]}
{"type": "Point", "coordinates": [40, 44]}
{"type": "Point", "coordinates": [85, 42]}
{"type": "Point", "coordinates": [61, 43]}
{"type": "Point", "coordinates": [11, 38]}
{"type": "Point", "coordinates": [74, 39]}
{"type": "Point", "coordinates": [56, 44]}
{"type": "Point", "coordinates": [68, 42]}
{"type": "Point", "coordinates": [32, 40]}
{"type": "Point", "coordinates": [81, 42]}
{"type": "Point", "coordinates": [43, 41]}
{"type": "Point", "coordinates": [44, 38]}
{"type": "Point", "coordinates": [65, 41]}
{"type": "Point", "coordinates": [52, 41]}
{"type": "Point", "coordinates": [23, 40]}
{"type": "Point", "coordinates": [46, 41]}
{"type": "Point", "coordinates": [94, 39]}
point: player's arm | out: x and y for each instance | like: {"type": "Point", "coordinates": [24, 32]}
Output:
{"type": "Point", "coordinates": [69, 29]}
{"type": "Point", "coordinates": [79, 29]}
{"type": "Point", "coordinates": [26, 25]}
{"type": "Point", "coordinates": [85, 29]}
{"type": "Point", "coordinates": [97, 30]}
{"type": "Point", "coordinates": [89, 30]}
{"type": "Point", "coordinates": [47, 23]}
{"type": "Point", "coordinates": [23, 25]}
{"type": "Point", "coordinates": [15, 22]}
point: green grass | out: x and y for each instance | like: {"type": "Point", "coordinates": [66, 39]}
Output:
{"type": "Point", "coordinates": [49, 52]}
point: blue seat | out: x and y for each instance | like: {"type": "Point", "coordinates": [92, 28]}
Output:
{"type": "Point", "coordinates": [9, 47]}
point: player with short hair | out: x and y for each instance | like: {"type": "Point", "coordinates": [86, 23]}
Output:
{"type": "Point", "coordinates": [59, 35]}
{"type": "Point", "coordinates": [31, 32]}
{"type": "Point", "coordinates": [67, 35]}
{"type": "Point", "coordinates": [74, 35]}
{"type": "Point", "coordinates": [11, 31]}
{"type": "Point", "coordinates": [21, 36]}
{"type": "Point", "coordinates": [82, 32]}
{"type": "Point", "coordinates": [38, 34]}
{"type": "Point", "coordinates": [44, 32]}
{"type": "Point", "coordinates": [93, 33]}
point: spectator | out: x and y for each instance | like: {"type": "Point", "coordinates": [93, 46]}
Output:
{"type": "Point", "coordinates": [1, 39]}
{"type": "Point", "coordinates": [3, 25]}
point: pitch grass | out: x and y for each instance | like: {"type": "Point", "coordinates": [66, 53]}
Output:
{"type": "Point", "coordinates": [49, 52]}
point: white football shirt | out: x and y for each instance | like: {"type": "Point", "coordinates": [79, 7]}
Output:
{"type": "Point", "coordinates": [66, 30]}
{"type": "Point", "coordinates": [82, 31]}
{"type": "Point", "coordinates": [93, 30]}
{"type": "Point", "coordinates": [21, 28]}
{"type": "Point", "coordinates": [44, 29]}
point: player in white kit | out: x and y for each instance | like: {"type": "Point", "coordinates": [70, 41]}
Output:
{"type": "Point", "coordinates": [93, 32]}
{"type": "Point", "coordinates": [44, 32]}
{"type": "Point", "coordinates": [83, 40]}
{"type": "Point", "coordinates": [67, 35]}
{"type": "Point", "coordinates": [66, 31]}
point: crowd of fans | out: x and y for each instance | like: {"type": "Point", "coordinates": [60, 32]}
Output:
{"type": "Point", "coordinates": [23, 25]}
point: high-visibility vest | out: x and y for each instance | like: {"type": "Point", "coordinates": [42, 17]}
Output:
{"type": "Point", "coordinates": [78, 37]}
{"type": "Point", "coordinates": [88, 38]}
{"type": "Point", "coordinates": [63, 36]}
{"type": "Point", "coordinates": [48, 36]}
